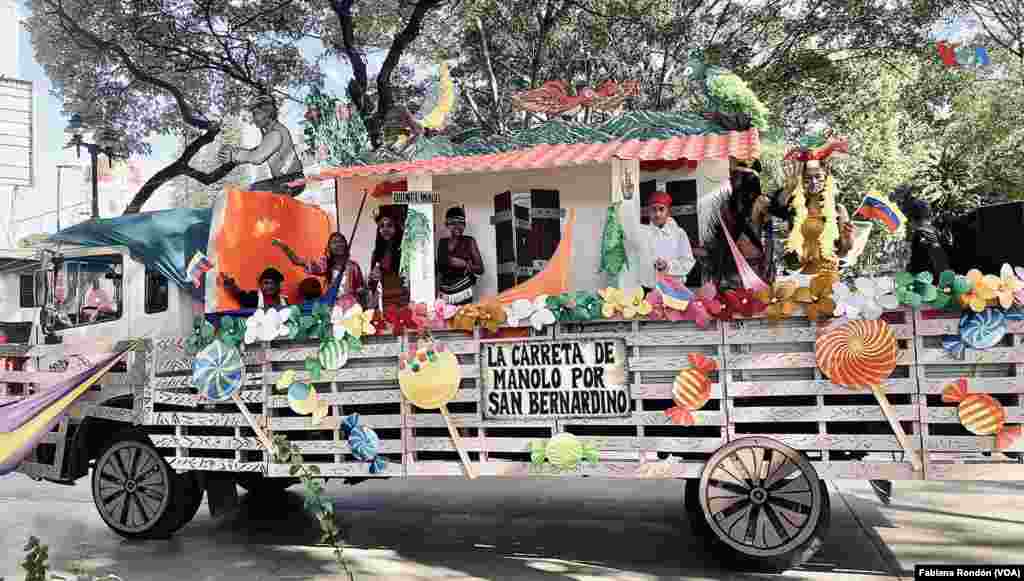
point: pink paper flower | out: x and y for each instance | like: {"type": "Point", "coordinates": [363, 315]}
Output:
{"type": "Point", "coordinates": [660, 311]}
{"type": "Point", "coordinates": [440, 313]}
{"type": "Point", "coordinates": [322, 152]}
{"type": "Point", "coordinates": [704, 306]}
{"type": "Point", "coordinates": [341, 111]}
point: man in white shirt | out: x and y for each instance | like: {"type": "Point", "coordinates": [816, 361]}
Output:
{"type": "Point", "coordinates": [659, 247]}
{"type": "Point", "coordinates": [276, 150]}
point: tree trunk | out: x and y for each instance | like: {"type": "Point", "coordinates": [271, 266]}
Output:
{"type": "Point", "coordinates": [181, 167]}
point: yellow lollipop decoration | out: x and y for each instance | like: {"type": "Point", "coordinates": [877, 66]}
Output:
{"type": "Point", "coordinates": [429, 377]}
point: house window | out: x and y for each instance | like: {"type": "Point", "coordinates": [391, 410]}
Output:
{"type": "Point", "coordinates": [157, 291]}
{"type": "Point", "coordinates": [88, 290]}
{"type": "Point", "coordinates": [527, 230]}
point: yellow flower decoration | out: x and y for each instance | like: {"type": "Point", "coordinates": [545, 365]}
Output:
{"type": "Point", "coordinates": [359, 322]}
{"type": "Point", "coordinates": [614, 302]}
{"type": "Point", "coordinates": [636, 304]}
{"type": "Point", "coordinates": [817, 299]}
{"type": "Point", "coordinates": [491, 316]}
{"type": "Point", "coordinates": [780, 298]}
{"type": "Point", "coordinates": [1009, 287]}
{"type": "Point", "coordinates": [984, 289]}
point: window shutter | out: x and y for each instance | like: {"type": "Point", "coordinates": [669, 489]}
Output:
{"type": "Point", "coordinates": [545, 227]}
{"type": "Point", "coordinates": [646, 189]}
{"type": "Point", "coordinates": [511, 223]}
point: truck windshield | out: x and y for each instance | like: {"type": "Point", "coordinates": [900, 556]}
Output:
{"type": "Point", "coordinates": [87, 290]}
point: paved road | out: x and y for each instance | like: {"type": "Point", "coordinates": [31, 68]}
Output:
{"type": "Point", "coordinates": [538, 530]}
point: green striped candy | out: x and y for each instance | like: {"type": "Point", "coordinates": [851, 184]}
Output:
{"type": "Point", "coordinates": [333, 354]}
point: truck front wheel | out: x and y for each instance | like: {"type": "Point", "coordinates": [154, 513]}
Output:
{"type": "Point", "coordinates": [136, 492]}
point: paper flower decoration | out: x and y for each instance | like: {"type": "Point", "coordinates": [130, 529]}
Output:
{"type": "Point", "coordinates": [779, 299]}
{"type": "Point", "coordinates": [536, 313]}
{"type": "Point", "coordinates": [400, 320]}
{"type": "Point", "coordinates": [635, 305]}
{"type": "Point", "coordinates": [951, 287]}
{"type": "Point", "coordinates": [1010, 287]}
{"type": "Point", "coordinates": [1018, 295]}
{"type": "Point", "coordinates": [575, 306]}
{"type": "Point", "coordinates": [614, 302]}
{"type": "Point", "coordinates": [858, 354]}
{"type": "Point", "coordinates": [660, 311]}
{"type": "Point", "coordinates": [872, 297]}
{"type": "Point", "coordinates": [218, 371]}
{"type": "Point", "coordinates": [355, 322]}
{"type": "Point", "coordinates": [490, 316]}
{"type": "Point", "coordinates": [563, 452]}
{"type": "Point", "coordinates": [915, 289]}
{"type": "Point", "coordinates": [266, 325]}
{"type": "Point", "coordinates": [364, 443]}
{"type": "Point", "coordinates": [817, 298]}
{"type": "Point", "coordinates": [691, 389]}
{"type": "Point", "coordinates": [704, 306]}
{"type": "Point", "coordinates": [232, 331]}
{"type": "Point", "coordinates": [285, 381]}
{"type": "Point", "coordinates": [983, 290]}
{"type": "Point", "coordinates": [203, 333]}
{"type": "Point", "coordinates": [743, 302]}
{"type": "Point", "coordinates": [440, 313]}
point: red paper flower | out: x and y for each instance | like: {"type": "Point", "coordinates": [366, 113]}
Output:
{"type": "Point", "coordinates": [705, 304]}
{"type": "Point", "coordinates": [743, 302]}
{"type": "Point", "coordinates": [400, 320]}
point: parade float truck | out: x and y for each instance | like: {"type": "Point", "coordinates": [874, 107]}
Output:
{"type": "Point", "coordinates": [553, 372]}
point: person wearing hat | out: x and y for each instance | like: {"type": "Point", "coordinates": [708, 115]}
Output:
{"type": "Point", "coordinates": [744, 213]}
{"type": "Point", "coordinates": [659, 247]}
{"type": "Point", "coordinates": [926, 251]}
{"type": "Point", "coordinates": [276, 150]}
{"type": "Point", "coordinates": [269, 293]}
{"type": "Point", "coordinates": [458, 260]}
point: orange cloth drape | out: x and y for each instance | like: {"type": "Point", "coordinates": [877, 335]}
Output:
{"type": "Point", "coordinates": [554, 279]}
{"type": "Point", "coordinates": [241, 245]}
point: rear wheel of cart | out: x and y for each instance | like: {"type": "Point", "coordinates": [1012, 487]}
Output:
{"type": "Point", "coordinates": [136, 492]}
{"type": "Point", "coordinates": [759, 505]}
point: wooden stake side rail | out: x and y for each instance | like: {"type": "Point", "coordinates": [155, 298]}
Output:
{"type": "Point", "coordinates": [767, 384]}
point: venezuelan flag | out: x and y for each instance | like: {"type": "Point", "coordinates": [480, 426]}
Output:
{"type": "Point", "coordinates": [198, 266]}
{"type": "Point", "coordinates": [674, 293]}
{"type": "Point", "coordinates": [878, 207]}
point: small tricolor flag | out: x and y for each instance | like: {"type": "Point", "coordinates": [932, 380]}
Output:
{"type": "Point", "coordinates": [878, 207]}
{"type": "Point", "coordinates": [674, 293]}
{"type": "Point", "coordinates": [198, 266]}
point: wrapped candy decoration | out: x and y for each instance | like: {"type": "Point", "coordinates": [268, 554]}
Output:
{"type": "Point", "coordinates": [364, 443]}
{"type": "Point", "coordinates": [691, 389]}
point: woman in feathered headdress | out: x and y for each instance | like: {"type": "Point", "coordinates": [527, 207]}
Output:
{"type": "Point", "coordinates": [820, 232]}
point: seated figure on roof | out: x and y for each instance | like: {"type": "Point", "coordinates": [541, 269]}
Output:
{"type": "Point", "coordinates": [276, 150]}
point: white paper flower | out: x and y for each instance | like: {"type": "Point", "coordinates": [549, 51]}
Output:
{"type": "Point", "coordinates": [266, 325]}
{"type": "Point", "coordinates": [338, 316]}
{"type": "Point", "coordinates": [519, 312]}
{"type": "Point", "coordinates": [542, 315]}
{"type": "Point", "coordinates": [872, 297]}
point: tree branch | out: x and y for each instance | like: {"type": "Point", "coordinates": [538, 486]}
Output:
{"type": "Point", "coordinates": [358, 85]}
{"type": "Point", "coordinates": [181, 167]}
{"type": "Point", "coordinates": [495, 99]}
{"type": "Point", "coordinates": [188, 113]}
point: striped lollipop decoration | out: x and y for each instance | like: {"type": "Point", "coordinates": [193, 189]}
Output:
{"type": "Point", "coordinates": [857, 355]}
{"type": "Point", "coordinates": [691, 389]}
{"type": "Point", "coordinates": [981, 414]}
{"type": "Point", "coordinates": [861, 354]}
{"type": "Point", "coordinates": [218, 371]}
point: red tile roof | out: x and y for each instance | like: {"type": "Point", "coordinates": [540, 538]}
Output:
{"type": "Point", "coordinates": [738, 144]}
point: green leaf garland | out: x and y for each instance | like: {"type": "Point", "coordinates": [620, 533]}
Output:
{"type": "Point", "coordinates": [417, 229]}
{"type": "Point", "coordinates": [613, 244]}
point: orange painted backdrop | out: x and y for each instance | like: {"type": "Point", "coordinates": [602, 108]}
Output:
{"type": "Point", "coordinates": [241, 247]}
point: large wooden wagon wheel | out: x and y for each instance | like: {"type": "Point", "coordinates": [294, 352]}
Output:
{"type": "Point", "coordinates": [137, 493]}
{"type": "Point", "coordinates": [759, 504]}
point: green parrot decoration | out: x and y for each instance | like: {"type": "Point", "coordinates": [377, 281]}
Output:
{"type": "Point", "coordinates": [724, 91]}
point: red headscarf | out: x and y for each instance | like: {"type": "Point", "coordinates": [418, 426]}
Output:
{"type": "Point", "coordinates": [661, 198]}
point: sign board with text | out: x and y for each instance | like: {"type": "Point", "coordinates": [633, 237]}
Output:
{"type": "Point", "coordinates": [555, 379]}
{"type": "Point", "coordinates": [16, 133]}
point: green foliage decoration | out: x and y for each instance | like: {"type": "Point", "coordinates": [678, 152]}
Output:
{"type": "Point", "coordinates": [417, 229]}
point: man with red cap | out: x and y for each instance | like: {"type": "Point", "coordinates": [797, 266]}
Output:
{"type": "Point", "coordinates": [659, 247]}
